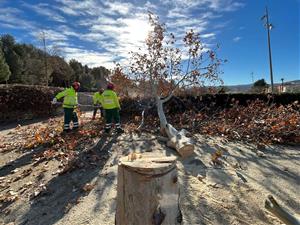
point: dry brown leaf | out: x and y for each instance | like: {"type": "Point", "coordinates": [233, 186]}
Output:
{"type": "Point", "coordinates": [215, 158]}
{"type": "Point", "coordinates": [88, 187]}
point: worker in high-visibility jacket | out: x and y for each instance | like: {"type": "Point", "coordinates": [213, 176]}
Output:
{"type": "Point", "coordinates": [111, 106]}
{"type": "Point", "coordinates": [69, 105]}
{"type": "Point", "coordinates": [97, 101]}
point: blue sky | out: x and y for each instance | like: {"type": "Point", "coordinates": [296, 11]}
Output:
{"type": "Point", "coordinates": [99, 32]}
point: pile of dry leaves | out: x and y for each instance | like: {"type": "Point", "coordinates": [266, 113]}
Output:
{"type": "Point", "coordinates": [257, 122]}
{"type": "Point", "coordinates": [47, 153]}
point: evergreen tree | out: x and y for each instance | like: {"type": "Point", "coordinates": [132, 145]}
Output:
{"type": "Point", "coordinates": [4, 69]}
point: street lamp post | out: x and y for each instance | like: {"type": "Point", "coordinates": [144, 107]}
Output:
{"type": "Point", "coordinates": [269, 27]}
{"type": "Point", "coordinates": [282, 79]}
{"type": "Point", "coordinates": [43, 39]}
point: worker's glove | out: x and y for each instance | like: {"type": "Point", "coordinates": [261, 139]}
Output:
{"type": "Point", "coordinates": [54, 101]}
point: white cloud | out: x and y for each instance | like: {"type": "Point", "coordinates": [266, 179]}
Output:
{"type": "Point", "coordinates": [67, 31]}
{"type": "Point", "coordinates": [150, 6]}
{"type": "Point", "coordinates": [11, 18]}
{"type": "Point", "coordinates": [208, 35]}
{"type": "Point", "coordinates": [86, 7]}
{"type": "Point", "coordinates": [118, 7]}
{"type": "Point", "coordinates": [236, 39]}
{"type": "Point", "coordinates": [116, 27]}
{"type": "Point", "coordinates": [50, 35]}
{"type": "Point", "coordinates": [88, 57]}
{"type": "Point", "coordinates": [45, 10]}
{"type": "Point", "coordinates": [92, 37]}
{"type": "Point", "coordinates": [68, 10]}
{"type": "Point", "coordinates": [175, 13]}
{"type": "Point", "coordinates": [119, 27]}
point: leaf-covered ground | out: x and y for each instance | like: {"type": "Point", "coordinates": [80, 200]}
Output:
{"type": "Point", "coordinates": [258, 122]}
{"type": "Point", "coordinates": [49, 178]}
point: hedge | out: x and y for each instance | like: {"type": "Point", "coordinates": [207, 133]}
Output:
{"type": "Point", "coordinates": [27, 102]}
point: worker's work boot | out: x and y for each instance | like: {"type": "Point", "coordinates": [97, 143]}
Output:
{"type": "Point", "coordinates": [65, 131]}
{"type": "Point", "coordinates": [106, 130]}
{"type": "Point", "coordinates": [75, 129]}
{"type": "Point", "coordinates": [120, 130]}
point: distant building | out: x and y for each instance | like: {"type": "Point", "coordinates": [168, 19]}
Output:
{"type": "Point", "coordinates": [288, 87]}
{"type": "Point", "coordinates": [277, 89]}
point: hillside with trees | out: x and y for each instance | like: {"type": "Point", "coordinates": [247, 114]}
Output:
{"type": "Point", "coordinates": [26, 64]}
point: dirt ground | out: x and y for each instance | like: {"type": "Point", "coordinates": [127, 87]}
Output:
{"type": "Point", "coordinates": [230, 193]}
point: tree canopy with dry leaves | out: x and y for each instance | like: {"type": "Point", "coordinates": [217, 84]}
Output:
{"type": "Point", "coordinates": [122, 82]}
{"type": "Point", "coordinates": [168, 64]}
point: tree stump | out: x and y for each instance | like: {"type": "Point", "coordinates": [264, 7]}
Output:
{"type": "Point", "coordinates": [147, 191]}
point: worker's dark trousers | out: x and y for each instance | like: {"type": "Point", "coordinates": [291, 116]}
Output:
{"type": "Point", "coordinates": [96, 109]}
{"type": "Point", "coordinates": [110, 116]}
{"type": "Point", "coordinates": [70, 115]}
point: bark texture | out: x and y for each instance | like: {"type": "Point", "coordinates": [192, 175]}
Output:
{"type": "Point", "coordinates": [147, 191]}
{"type": "Point", "coordinates": [177, 139]}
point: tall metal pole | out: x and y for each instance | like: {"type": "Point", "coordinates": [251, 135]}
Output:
{"type": "Point", "coordinates": [45, 56]}
{"type": "Point", "coordinates": [270, 53]}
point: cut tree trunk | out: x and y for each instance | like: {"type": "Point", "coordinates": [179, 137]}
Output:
{"type": "Point", "coordinates": [147, 191]}
{"type": "Point", "coordinates": [177, 139]}
{"type": "Point", "coordinates": [181, 143]}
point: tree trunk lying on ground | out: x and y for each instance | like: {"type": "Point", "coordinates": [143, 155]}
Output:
{"type": "Point", "coordinates": [177, 139]}
{"type": "Point", "coordinates": [272, 206]}
{"type": "Point", "coordinates": [147, 190]}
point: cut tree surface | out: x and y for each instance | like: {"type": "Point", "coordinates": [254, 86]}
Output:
{"type": "Point", "coordinates": [182, 144]}
{"type": "Point", "coordinates": [177, 139]}
{"type": "Point", "coordinates": [147, 191]}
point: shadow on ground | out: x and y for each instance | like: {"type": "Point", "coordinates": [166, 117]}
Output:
{"type": "Point", "coordinates": [64, 191]}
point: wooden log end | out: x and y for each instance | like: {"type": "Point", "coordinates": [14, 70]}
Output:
{"type": "Point", "coordinates": [186, 150]}
{"type": "Point", "coordinates": [147, 190]}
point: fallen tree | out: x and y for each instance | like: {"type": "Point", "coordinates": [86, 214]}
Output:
{"type": "Point", "coordinates": [163, 68]}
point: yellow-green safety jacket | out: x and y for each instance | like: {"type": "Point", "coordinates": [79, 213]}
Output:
{"type": "Point", "coordinates": [70, 97]}
{"type": "Point", "coordinates": [110, 100]}
{"type": "Point", "coordinates": [97, 98]}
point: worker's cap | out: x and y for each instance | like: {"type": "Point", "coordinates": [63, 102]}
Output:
{"type": "Point", "coordinates": [110, 86]}
{"type": "Point", "coordinates": [76, 85]}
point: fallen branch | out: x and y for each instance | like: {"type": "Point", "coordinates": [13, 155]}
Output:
{"type": "Point", "coordinates": [142, 122]}
{"type": "Point", "coordinates": [272, 206]}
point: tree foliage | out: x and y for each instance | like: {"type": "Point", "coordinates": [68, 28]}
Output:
{"type": "Point", "coordinates": [90, 79]}
{"type": "Point", "coordinates": [12, 59]}
{"type": "Point", "coordinates": [123, 84]}
{"type": "Point", "coordinates": [26, 64]}
{"type": "Point", "coordinates": [4, 69]}
{"type": "Point", "coordinates": [260, 86]}
{"type": "Point", "coordinates": [169, 65]}
{"type": "Point", "coordinates": [100, 75]}
{"type": "Point", "coordinates": [62, 72]}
